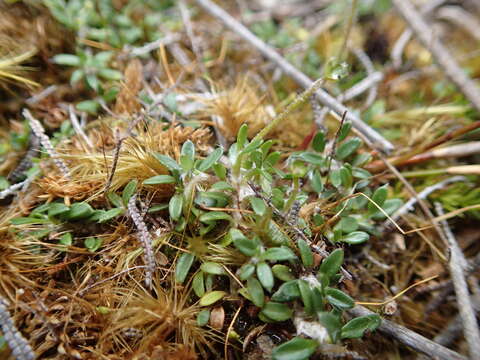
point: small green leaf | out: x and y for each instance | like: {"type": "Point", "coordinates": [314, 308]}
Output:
{"type": "Point", "coordinates": [79, 211]}
{"type": "Point", "coordinates": [346, 177]}
{"type": "Point", "coordinates": [184, 264]}
{"type": "Point", "coordinates": [312, 158]}
{"type": "Point", "coordinates": [89, 106]}
{"type": "Point", "coordinates": [67, 59]}
{"type": "Point", "coordinates": [92, 82]}
{"type": "Point", "coordinates": [335, 178]}
{"type": "Point", "coordinates": [347, 224]}
{"type": "Point", "coordinates": [331, 265]}
{"type": "Point", "coordinates": [203, 317]}
{"type": "Point", "coordinates": [378, 197]}
{"type": "Point", "coordinates": [210, 160]}
{"type": "Point", "coordinates": [128, 191]}
{"type": "Point", "coordinates": [215, 216]}
{"type": "Point", "coordinates": [258, 205]}
{"type": "Point", "coordinates": [344, 130]}
{"type": "Point", "coordinates": [287, 292]}
{"type": "Point", "coordinates": [389, 206]}
{"type": "Point", "coordinates": [110, 214]}
{"type": "Point", "coordinates": [222, 185]}
{"type": "Point", "coordinates": [242, 136]}
{"type": "Point", "coordinates": [110, 74]}
{"type": "Point", "coordinates": [255, 291]}
{"type": "Point", "coordinates": [243, 244]}
{"type": "Point", "coordinates": [159, 179]}
{"type": "Point", "coordinates": [277, 311]}
{"type": "Point", "coordinates": [212, 268]}
{"type": "Point", "coordinates": [316, 181]}
{"type": "Point", "coordinates": [187, 157]}
{"type": "Point", "coordinates": [295, 349]}
{"type": "Point", "coordinates": [93, 243]}
{"type": "Point", "coordinates": [211, 297]}
{"type": "Point", "coordinates": [305, 253]}
{"type": "Point", "coordinates": [168, 162]}
{"type": "Point", "coordinates": [175, 207]}
{"type": "Point", "coordinates": [332, 323]}
{"type": "Point", "coordinates": [307, 296]}
{"type": "Point", "coordinates": [265, 275]}
{"type": "Point", "coordinates": [339, 299]}
{"type": "Point", "coordinates": [28, 220]}
{"type": "Point", "coordinates": [282, 272]}
{"type": "Point", "coordinates": [348, 148]}
{"type": "Point", "coordinates": [246, 271]}
{"type": "Point", "coordinates": [57, 209]}
{"type": "Point", "coordinates": [158, 207]}
{"type": "Point", "coordinates": [115, 199]}
{"type": "Point", "coordinates": [66, 239]}
{"type": "Point", "coordinates": [355, 328]}
{"type": "Point", "coordinates": [279, 254]}
{"type": "Point", "coordinates": [356, 237]}
{"type": "Point", "coordinates": [318, 142]}
{"type": "Point", "coordinates": [198, 284]}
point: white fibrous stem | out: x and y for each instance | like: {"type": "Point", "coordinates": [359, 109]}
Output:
{"type": "Point", "coordinates": [20, 347]}
{"type": "Point", "coordinates": [145, 240]}
{"type": "Point", "coordinates": [39, 132]}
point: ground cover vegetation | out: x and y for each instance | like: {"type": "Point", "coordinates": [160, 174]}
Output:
{"type": "Point", "coordinates": [239, 180]}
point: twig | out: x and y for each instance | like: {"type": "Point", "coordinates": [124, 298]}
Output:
{"type": "Point", "coordinates": [41, 95]}
{"type": "Point", "coordinates": [457, 266]}
{"type": "Point", "coordinates": [461, 18]}
{"type": "Point", "coordinates": [410, 338]}
{"type": "Point", "coordinates": [20, 347]}
{"type": "Point", "coordinates": [145, 49]}
{"type": "Point", "coordinates": [405, 37]}
{"type": "Point", "coordinates": [145, 240]}
{"type": "Point", "coordinates": [370, 69]}
{"type": "Point", "coordinates": [302, 79]}
{"type": "Point", "coordinates": [39, 132]}
{"type": "Point", "coordinates": [408, 206]}
{"type": "Point", "coordinates": [439, 52]}
{"type": "Point", "coordinates": [77, 127]}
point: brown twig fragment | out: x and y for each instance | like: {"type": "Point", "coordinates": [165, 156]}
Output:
{"type": "Point", "coordinates": [303, 80]}
{"type": "Point", "coordinates": [457, 265]}
{"type": "Point", "coordinates": [39, 132]}
{"type": "Point", "coordinates": [410, 338]}
{"type": "Point", "coordinates": [451, 68]}
{"type": "Point", "coordinates": [20, 347]}
{"type": "Point", "coordinates": [145, 240]}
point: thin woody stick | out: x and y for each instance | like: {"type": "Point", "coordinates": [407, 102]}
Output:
{"type": "Point", "coordinates": [301, 79]}
{"type": "Point", "coordinates": [451, 68]}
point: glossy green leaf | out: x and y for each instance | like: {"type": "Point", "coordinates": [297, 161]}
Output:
{"type": "Point", "coordinates": [348, 148]}
{"type": "Point", "coordinates": [278, 254]}
{"type": "Point", "coordinates": [335, 178]}
{"type": "Point", "coordinates": [198, 284]}
{"type": "Point", "coordinates": [295, 349]}
{"type": "Point", "coordinates": [242, 136]}
{"type": "Point", "coordinates": [332, 323]}
{"type": "Point", "coordinates": [215, 216]}
{"type": "Point", "coordinates": [344, 130]}
{"type": "Point", "coordinates": [212, 268]}
{"type": "Point", "coordinates": [331, 265]}
{"type": "Point", "coordinates": [128, 191]}
{"type": "Point", "coordinates": [255, 291]}
{"type": "Point", "coordinates": [89, 106]}
{"type": "Point", "coordinates": [305, 252]}
{"type": "Point", "coordinates": [168, 162]}
{"type": "Point", "coordinates": [212, 297]}
{"type": "Point", "coordinates": [78, 211]}
{"type": "Point", "coordinates": [356, 237]}
{"type": "Point", "coordinates": [184, 264]}
{"type": "Point", "coordinates": [110, 74]}
{"type": "Point", "coordinates": [93, 243]}
{"type": "Point", "coordinates": [306, 295]}
{"type": "Point", "coordinates": [246, 271]}
{"type": "Point", "coordinates": [246, 246]}
{"type": "Point", "coordinates": [316, 181]}
{"type": "Point", "coordinates": [318, 142]}
{"type": "Point", "coordinates": [355, 328]}
{"type": "Point", "coordinates": [282, 272]}
{"type": "Point", "coordinates": [277, 311]}
{"type": "Point", "coordinates": [110, 214]}
{"type": "Point", "coordinates": [312, 158]}
{"type": "Point", "coordinates": [210, 160]}
{"type": "Point", "coordinates": [175, 207]}
{"type": "Point", "coordinates": [265, 275]}
{"type": "Point", "coordinates": [287, 292]}
{"type": "Point", "coordinates": [339, 299]}
{"type": "Point", "coordinates": [378, 197]}
{"type": "Point", "coordinates": [67, 59]}
{"type": "Point", "coordinates": [203, 317]}
{"type": "Point", "coordinates": [56, 209]}
{"type": "Point", "coordinates": [346, 177]}
{"type": "Point", "coordinates": [159, 179]}
{"type": "Point", "coordinates": [187, 156]}
{"type": "Point", "coordinates": [258, 205]}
